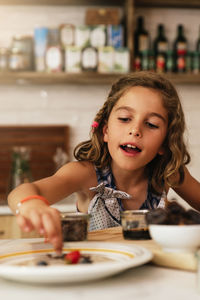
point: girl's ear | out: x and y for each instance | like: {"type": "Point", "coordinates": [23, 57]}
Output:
{"type": "Point", "coordinates": [161, 150]}
{"type": "Point", "coordinates": [105, 133]}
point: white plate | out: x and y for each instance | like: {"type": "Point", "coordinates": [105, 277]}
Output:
{"type": "Point", "coordinates": [121, 257]}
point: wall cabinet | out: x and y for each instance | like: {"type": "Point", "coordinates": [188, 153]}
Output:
{"type": "Point", "coordinates": [129, 7]}
{"type": "Point", "coordinates": [9, 229]}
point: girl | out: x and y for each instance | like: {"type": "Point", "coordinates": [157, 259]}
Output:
{"type": "Point", "coordinates": [135, 154]}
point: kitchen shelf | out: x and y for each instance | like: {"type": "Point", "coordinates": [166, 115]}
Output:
{"type": "Point", "coordinates": [91, 77]}
{"type": "Point", "coordinates": [62, 2]}
{"type": "Point", "coordinates": [168, 3]}
{"type": "Point", "coordinates": [23, 78]}
{"type": "Point", "coordinates": [138, 3]}
{"type": "Point", "coordinates": [86, 78]}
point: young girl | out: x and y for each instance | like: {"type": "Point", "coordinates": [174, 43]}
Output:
{"type": "Point", "coordinates": [135, 154]}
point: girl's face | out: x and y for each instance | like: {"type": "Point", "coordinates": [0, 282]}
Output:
{"type": "Point", "coordinates": [136, 128]}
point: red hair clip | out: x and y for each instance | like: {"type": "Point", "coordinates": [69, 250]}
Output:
{"type": "Point", "coordinates": [95, 124]}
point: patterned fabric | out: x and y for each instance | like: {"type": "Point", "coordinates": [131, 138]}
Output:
{"type": "Point", "coordinates": [106, 206]}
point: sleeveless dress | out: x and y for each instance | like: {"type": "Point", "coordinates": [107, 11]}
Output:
{"type": "Point", "coordinates": [106, 206]}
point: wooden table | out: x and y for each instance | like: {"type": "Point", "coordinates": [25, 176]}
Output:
{"type": "Point", "coordinates": [183, 261]}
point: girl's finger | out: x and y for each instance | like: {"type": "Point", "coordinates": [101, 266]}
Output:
{"type": "Point", "coordinates": [36, 220]}
{"type": "Point", "coordinates": [24, 223]}
{"type": "Point", "coordinates": [53, 235]}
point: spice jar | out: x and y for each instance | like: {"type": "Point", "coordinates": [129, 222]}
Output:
{"type": "Point", "coordinates": [74, 226]}
{"type": "Point", "coordinates": [24, 44]}
{"type": "Point", "coordinates": [17, 60]}
{"type": "Point", "coordinates": [134, 225]}
{"type": "Point", "coordinates": [4, 54]}
{"type": "Point", "coordinates": [54, 54]}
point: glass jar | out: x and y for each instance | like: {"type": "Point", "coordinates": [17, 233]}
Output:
{"type": "Point", "coordinates": [4, 55]}
{"type": "Point", "coordinates": [134, 225]}
{"type": "Point", "coordinates": [24, 44]}
{"type": "Point", "coordinates": [17, 60]}
{"type": "Point", "coordinates": [74, 226]}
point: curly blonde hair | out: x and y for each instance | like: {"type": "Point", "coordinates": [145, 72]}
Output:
{"type": "Point", "coordinates": [163, 168]}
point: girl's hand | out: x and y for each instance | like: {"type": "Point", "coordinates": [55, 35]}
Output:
{"type": "Point", "coordinates": [36, 215]}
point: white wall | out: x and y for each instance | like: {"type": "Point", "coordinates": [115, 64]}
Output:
{"type": "Point", "coordinates": [76, 106]}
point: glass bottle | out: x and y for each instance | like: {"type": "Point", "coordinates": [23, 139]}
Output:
{"type": "Point", "coordinates": [198, 42]}
{"type": "Point", "coordinates": [160, 49]}
{"type": "Point", "coordinates": [180, 50]}
{"type": "Point", "coordinates": [141, 37]}
{"type": "Point", "coordinates": [20, 168]}
{"type": "Point", "coordinates": [169, 61]}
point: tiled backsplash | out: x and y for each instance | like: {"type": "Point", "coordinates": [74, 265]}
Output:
{"type": "Point", "coordinates": [76, 106]}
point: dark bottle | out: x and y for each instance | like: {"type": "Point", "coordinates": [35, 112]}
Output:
{"type": "Point", "coordinates": [169, 61]}
{"type": "Point", "coordinates": [145, 60]}
{"type": "Point", "coordinates": [180, 50]}
{"type": "Point", "coordinates": [196, 62]}
{"type": "Point", "coordinates": [160, 49]}
{"type": "Point", "coordinates": [141, 37]}
{"type": "Point", "coordinates": [152, 66]}
{"type": "Point", "coordinates": [198, 42]}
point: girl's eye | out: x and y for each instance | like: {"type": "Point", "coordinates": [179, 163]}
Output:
{"type": "Point", "coordinates": [151, 125]}
{"type": "Point", "coordinates": [124, 119]}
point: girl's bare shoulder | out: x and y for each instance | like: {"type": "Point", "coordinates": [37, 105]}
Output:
{"type": "Point", "coordinates": [81, 171]}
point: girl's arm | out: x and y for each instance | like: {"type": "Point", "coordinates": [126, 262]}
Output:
{"type": "Point", "coordinates": [189, 190]}
{"type": "Point", "coordinates": [34, 214]}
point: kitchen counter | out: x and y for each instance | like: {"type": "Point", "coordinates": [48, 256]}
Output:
{"type": "Point", "coordinates": [68, 204]}
{"type": "Point", "coordinates": [147, 282]}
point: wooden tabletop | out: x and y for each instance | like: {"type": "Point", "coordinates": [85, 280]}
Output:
{"type": "Point", "coordinates": [184, 261]}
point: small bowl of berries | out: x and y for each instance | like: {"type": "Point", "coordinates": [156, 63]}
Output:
{"type": "Point", "coordinates": [174, 228]}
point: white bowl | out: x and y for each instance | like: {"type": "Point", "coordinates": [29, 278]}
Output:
{"type": "Point", "coordinates": [176, 238]}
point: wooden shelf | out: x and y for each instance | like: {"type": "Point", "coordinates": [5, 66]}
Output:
{"type": "Point", "coordinates": [88, 78]}
{"type": "Point", "coordinates": [139, 3]}
{"type": "Point", "coordinates": [85, 78]}
{"type": "Point", "coordinates": [62, 2]}
{"type": "Point", "coordinates": [23, 78]}
{"type": "Point", "coordinates": [168, 3]}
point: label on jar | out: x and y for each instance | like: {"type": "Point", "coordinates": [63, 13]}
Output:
{"type": "Point", "coordinates": [67, 35]}
{"type": "Point", "coordinates": [115, 36]}
{"type": "Point", "coordinates": [89, 58]}
{"type": "Point", "coordinates": [98, 36]}
{"type": "Point", "coordinates": [106, 59]}
{"type": "Point", "coordinates": [82, 36]}
{"type": "Point", "coordinates": [121, 60]}
{"type": "Point", "coordinates": [54, 59]}
{"type": "Point", "coordinates": [73, 59]}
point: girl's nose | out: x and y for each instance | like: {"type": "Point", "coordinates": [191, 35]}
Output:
{"type": "Point", "coordinates": [135, 132]}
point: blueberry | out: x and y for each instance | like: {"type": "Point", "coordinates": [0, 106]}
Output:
{"type": "Point", "coordinates": [42, 263]}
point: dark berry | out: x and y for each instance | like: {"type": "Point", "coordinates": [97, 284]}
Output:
{"type": "Point", "coordinates": [42, 263]}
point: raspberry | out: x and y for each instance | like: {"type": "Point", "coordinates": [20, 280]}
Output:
{"type": "Point", "coordinates": [72, 257]}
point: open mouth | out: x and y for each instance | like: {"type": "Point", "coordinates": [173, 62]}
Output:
{"type": "Point", "coordinates": [130, 148]}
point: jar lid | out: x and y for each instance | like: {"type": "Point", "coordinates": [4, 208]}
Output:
{"type": "Point", "coordinates": [74, 215]}
{"type": "Point", "coordinates": [15, 50]}
{"type": "Point", "coordinates": [134, 212]}
{"type": "Point", "coordinates": [22, 37]}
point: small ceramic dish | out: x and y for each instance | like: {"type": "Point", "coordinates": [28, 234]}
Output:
{"type": "Point", "coordinates": [176, 238]}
